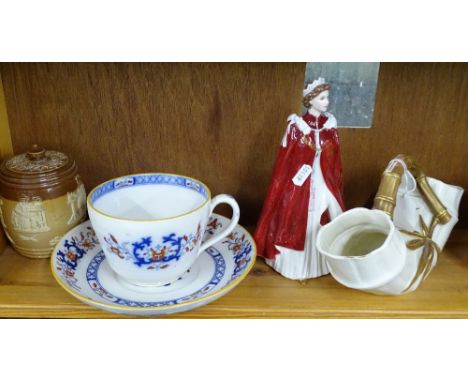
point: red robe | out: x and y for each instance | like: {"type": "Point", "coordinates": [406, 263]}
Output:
{"type": "Point", "coordinates": [283, 220]}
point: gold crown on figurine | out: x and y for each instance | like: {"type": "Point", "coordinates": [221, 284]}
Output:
{"type": "Point", "coordinates": [313, 90]}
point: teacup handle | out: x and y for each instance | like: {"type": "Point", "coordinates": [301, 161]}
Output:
{"type": "Point", "coordinates": [228, 199]}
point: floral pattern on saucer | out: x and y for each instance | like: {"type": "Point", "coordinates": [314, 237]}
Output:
{"type": "Point", "coordinates": [72, 251]}
{"type": "Point", "coordinates": [242, 249]}
{"type": "Point", "coordinates": [93, 281]}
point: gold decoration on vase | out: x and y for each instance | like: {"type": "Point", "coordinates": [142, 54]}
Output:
{"type": "Point", "coordinates": [430, 248]}
{"type": "Point", "coordinates": [434, 203]}
{"type": "Point", "coordinates": [385, 199]}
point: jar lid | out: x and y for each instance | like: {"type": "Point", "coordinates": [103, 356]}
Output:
{"type": "Point", "coordinates": [36, 160]}
{"type": "Point", "coordinates": [35, 170]}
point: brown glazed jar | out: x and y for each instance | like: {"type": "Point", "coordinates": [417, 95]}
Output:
{"type": "Point", "coordinates": [42, 197]}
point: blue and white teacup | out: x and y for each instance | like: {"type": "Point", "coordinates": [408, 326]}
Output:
{"type": "Point", "coordinates": [151, 226]}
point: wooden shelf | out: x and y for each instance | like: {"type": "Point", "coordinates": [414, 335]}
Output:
{"type": "Point", "coordinates": [27, 289]}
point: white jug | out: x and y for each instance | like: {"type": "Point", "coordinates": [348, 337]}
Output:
{"type": "Point", "coordinates": [367, 250]}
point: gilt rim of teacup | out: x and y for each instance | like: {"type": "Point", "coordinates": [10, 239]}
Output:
{"type": "Point", "coordinates": [95, 303]}
{"type": "Point", "coordinates": [90, 205]}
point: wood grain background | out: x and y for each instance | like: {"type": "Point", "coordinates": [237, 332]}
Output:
{"type": "Point", "coordinates": [6, 148]}
{"type": "Point", "coordinates": [222, 123]}
{"type": "Point", "coordinates": [421, 109]}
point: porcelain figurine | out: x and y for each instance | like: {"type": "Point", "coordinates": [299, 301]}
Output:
{"type": "Point", "coordinates": [392, 248]}
{"type": "Point", "coordinates": [305, 192]}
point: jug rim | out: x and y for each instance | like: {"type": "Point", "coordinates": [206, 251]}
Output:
{"type": "Point", "coordinates": [345, 215]}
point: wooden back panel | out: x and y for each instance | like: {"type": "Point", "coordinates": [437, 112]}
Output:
{"type": "Point", "coordinates": [222, 123]}
{"type": "Point", "coordinates": [422, 110]}
{"type": "Point", "coordinates": [6, 148]}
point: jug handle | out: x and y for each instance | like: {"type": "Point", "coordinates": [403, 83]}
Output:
{"type": "Point", "coordinates": [438, 209]}
{"type": "Point", "coordinates": [385, 199]}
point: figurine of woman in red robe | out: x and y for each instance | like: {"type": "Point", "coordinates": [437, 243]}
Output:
{"type": "Point", "coordinates": [305, 192]}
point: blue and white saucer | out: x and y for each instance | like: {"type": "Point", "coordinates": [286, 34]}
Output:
{"type": "Point", "coordinates": [80, 267]}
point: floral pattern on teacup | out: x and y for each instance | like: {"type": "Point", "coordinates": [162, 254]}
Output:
{"type": "Point", "coordinates": [147, 252]}
{"type": "Point", "coordinates": [212, 226]}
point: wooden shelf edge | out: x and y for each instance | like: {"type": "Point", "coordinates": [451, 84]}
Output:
{"type": "Point", "coordinates": [28, 290]}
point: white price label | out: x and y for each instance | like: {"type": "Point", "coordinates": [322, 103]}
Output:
{"type": "Point", "coordinates": [302, 175]}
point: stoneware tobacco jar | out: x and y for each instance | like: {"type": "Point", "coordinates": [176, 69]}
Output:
{"type": "Point", "coordinates": [41, 198]}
